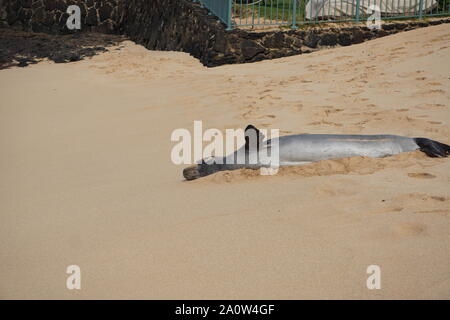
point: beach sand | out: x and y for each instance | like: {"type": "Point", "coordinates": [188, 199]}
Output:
{"type": "Point", "coordinates": [87, 178]}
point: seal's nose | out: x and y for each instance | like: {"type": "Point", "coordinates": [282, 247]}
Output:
{"type": "Point", "coordinates": [191, 173]}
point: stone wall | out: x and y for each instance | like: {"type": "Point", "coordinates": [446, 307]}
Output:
{"type": "Point", "coordinates": [178, 25]}
{"type": "Point", "coordinates": [255, 46]}
{"type": "Point", "coordinates": [183, 25]}
{"type": "Point", "coordinates": [50, 16]}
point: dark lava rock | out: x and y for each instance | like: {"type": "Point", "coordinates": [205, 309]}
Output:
{"type": "Point", "coordinates": [250, 49]}
{"type": "Point", "coordinates": [91, 17]}
{"type": "Point", "coordinates": [357, 36]}
{"type": "Point", "coordinates": [311, 40]}
{"type": "Point", "coordinates": [328, 39]}
{"type": "Point", "coordinates": [19, 48]}
{"type": "Point", "coordinates": [344, 39]}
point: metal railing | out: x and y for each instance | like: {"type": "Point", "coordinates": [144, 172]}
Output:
{"type": "Point", "coordinates": [220, 8]}
{"type": "Point", "coordinates": [253, 13]}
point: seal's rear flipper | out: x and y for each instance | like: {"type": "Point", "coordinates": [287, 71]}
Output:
{"type": "Point", "coordinates": [433, 148]}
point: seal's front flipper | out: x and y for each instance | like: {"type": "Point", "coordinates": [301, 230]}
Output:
{"type": "Point", "coordinates": [433, 148]}
{"type": "Point", "coordinates": [253, 138]}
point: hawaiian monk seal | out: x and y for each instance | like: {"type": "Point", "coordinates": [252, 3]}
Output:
{"type": "Point", "coordinates": [306, 148]}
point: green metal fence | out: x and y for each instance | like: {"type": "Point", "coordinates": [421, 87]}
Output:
{"type": "Point", "coordinates": [242, 13]}
{"type": "Point", "coordinates": [220, 8]}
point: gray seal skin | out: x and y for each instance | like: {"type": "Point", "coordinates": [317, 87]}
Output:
{"type": "Point", "coordinates": [306, 148]}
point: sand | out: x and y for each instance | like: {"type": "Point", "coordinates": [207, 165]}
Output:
{"type": "Point", "coordinates": [86, 177]}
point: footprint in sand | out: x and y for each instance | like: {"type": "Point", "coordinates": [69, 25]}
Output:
{"type": "Point", "coordinates": [416, 203]}
{"type": "Point", "coordinates": [421, 175]}
{"type": "Point", "coordinates": [269, 96]}
{"type": "Point", "coordinates": [390, 209]}
{"type": "Point", "coordinates": [426, 197]}
{"type": "Point", "coordinates": [429, 93]}
{"type": "Point", "coordinates": [397, 49]}
{"type": "Point", "coordinates": [267, 116]}
{"type": "Point", "coordinates": [431, 106]}
{"type": "Point", "coordinates": [250, 111]}
{"type": "Point", "coordinates": [298, 107]}
{"type": "Point", "coordinates": [434, 84]}
{"type": "Point", "coordinates": [340, 58]}
{"type": "Point", "coordinates": [319, 123]}
{"type": "Point", "coordinates": [410, 229]}
{"type": "Point", "coordinates": [332, 191]}
{"type": "Point", "coordinates": [330, 109]}
{"type": "Point", "coordinates": [431, 130]}
{"type": "Point", "coordinates": [438, 211]}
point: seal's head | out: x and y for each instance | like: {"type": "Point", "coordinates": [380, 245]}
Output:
{"type": "Point", "coordinates": [191, 173]}
{"type": "Point", "coordinates": [200, 170]}
{"type": "Point", "coordinates": [209, 166]}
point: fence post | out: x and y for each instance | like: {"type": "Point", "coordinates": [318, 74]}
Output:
{"type": "Point", "coordinates": [294, 13]}
{"type": "Point", "coordinates": [357, 10]}
{"type": "Point", "coordinates": [420, 9]}
{"type": "Point", "coordinates": [229, 23]}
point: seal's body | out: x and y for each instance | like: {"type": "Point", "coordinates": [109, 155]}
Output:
{"type": "Point", "coordinates": [306, 148]}
{"type": "Point", "coordinates": [301, 148]}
